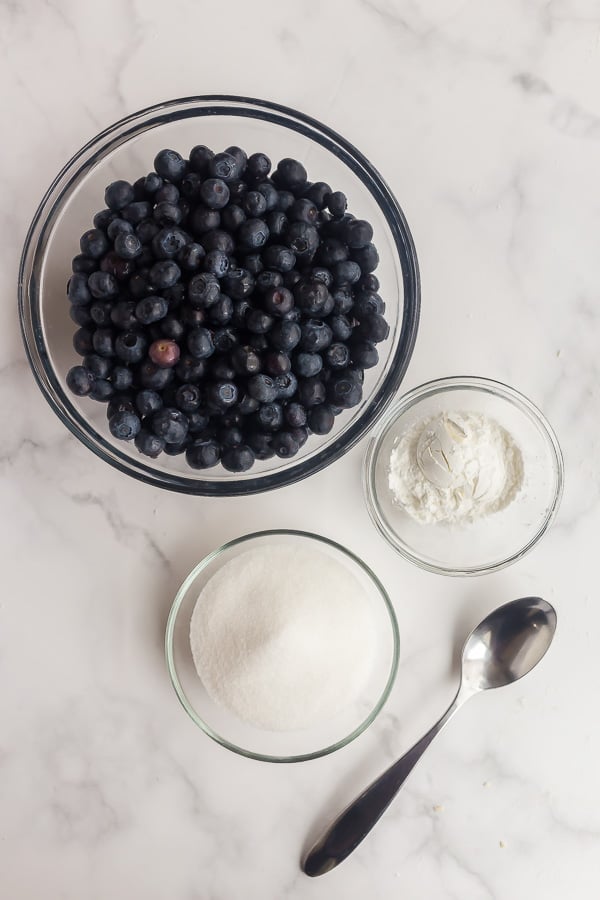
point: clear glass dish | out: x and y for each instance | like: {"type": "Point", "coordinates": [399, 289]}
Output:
{"type": "Point", "coordinates": [273, 746]}
{"type": "Point", "coordinates": [127, 150]}
{"type": "Point", "coordinates": [488, 543]}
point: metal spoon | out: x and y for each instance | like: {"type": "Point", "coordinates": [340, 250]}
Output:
{"type": "Point", "coordinates": [504, 647]}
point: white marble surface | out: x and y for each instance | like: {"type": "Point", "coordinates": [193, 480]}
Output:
{"type": "Point", "coordinates": [485, 119]}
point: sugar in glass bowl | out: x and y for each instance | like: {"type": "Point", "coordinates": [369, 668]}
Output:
{"type": "Point", "coordinates": [127, 150]}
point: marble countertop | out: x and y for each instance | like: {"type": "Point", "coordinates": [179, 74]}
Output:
{"type": "Point", "coordinates": [485, 120]}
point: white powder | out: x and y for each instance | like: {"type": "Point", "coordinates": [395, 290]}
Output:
{"type": "Point", "coordinates": [455, 467]}
{"type": "Point", "coordinates": [283, 637]}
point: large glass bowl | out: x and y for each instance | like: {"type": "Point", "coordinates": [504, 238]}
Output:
{"type": "Point", "coordinates": [490, 542]}
{"type": "Point", "coordinates": [282, 746]}
{"type": "Point", "coordinates": [127, 150]}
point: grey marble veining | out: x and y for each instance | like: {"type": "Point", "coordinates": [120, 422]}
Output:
{"type": "Point", "coordinates": [485, 121]}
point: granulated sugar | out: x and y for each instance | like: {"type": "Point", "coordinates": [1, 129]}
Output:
{"type": "Point", "coordinates": [283, 637]}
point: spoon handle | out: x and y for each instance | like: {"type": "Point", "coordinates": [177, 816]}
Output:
{"type": "Point", "coordinates": [357, 820]}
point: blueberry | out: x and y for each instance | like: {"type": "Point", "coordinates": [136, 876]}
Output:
{"type": "Point", "coordinates": [224, 166]}
{"type": "Point", "coordinates": [164, 274]}
{"type": "Point", "coordinates": [261, 445]}
{"type": "Point", "coordinates": [258, 166]}
{"type": "Point", "coordinates": [93, 243]}
{"type": "Point", "coordinates": [290, 174]}
{"type": "Point", "coordinates": [364, 354]}
{"type": "Point", "coordinates": [102, 341]}
{"type": "Point", "coordinates": [303, 210]}
{"type": "Point", "coordinates": [278, 301]}
{"type": "Point", "coordinates": [119, 403]}
{"type": "Point", "coordinates": [321, 419]}
{"type": "Point", "coordinates": [367, 258]}
{"type": "Point", "coordinates": [240, 157]}
{"type": "Point", "coordinates": [124, 425]}
{"type": "Point", "coordinates": [238, 283]}
{"type": "Point", "coordinates": [102, 390]}
{"type": "Point", "coordinates": [237, 190]}
{"type": "Point", "coordinates": [311, 391]}
{"type": "Point", "coordinates": [200, 157]}
{"type": "Point", "coordinates": [368, 303]}
{"type": "Point", "coordinates": [282, 259]}
{"type": "Point", "coordinates": [165, 214]}
{"type": "Point", "coordinates": [262, 388]}
{"type": "Point", "coordinates": [198, 422]}
{"type": "Point", "coordinates": [203, 454]}
{"type": "Point", "coordinates": [170, 424]}
{"type": "Point", "coordinates": [146, 231]}
{"type": "Point", "coordinates": [187, 397]}
{"type": "Point", "coordinates": [285, 335]}
{"type": "Point", "coordinates": [78, 291]}
{"type": "Point", "coordinates": [214, 193]}
{"type": "Point", "coordinates": [270, 417]}
{"type": "Point", "coordinates": [149, 444]}
{"type": "Point", "coordinates": [102, 285]}
{"type": "Point", "coordinates": [151, 309]}
{"type": "Point", "coordinates": [246, 361]}
{"type": "Point", "coordinates": [112, 264]}
{"type": "Point", "coordinates": [337, 204]}
{"type": "Point", "coordinates": [343, 299]}
{"type": "Point", "coordinates": [286, 385]}
{"type": "Point", "coordinates": [200, 343]}
{"type": "Point", "coordinates": [285, 444]}
{"type": "Point", "coordinates": [118, 194]}
{"type": "Point", "coordinates": [322, 274]}
{"type": "Point", "coordinates": [337, 356]}
{"type": "Point", "coordinates": [220, 368]}
{"type": "Point", "coordinates": [358, 234]}
{"type": "Point", "coordinates": [268, 279]}
{"type": "Point", "coordinates": [80, 315]}
{"type": "Point", "coordinates": [331, 252]}
{"type": "Point", "coordinates": [277, 363]}
{"type": "Point", "coordinates": [137, 212]}
{"type": "Point", "coordinates": [83, 265]}
{"type": "Point", "coordinates": [128, 246]}
{"type": "Point", "coordinates": [103, 218]}
{"type": "Point", "coordinates": [306, 365]}
{"type": "Point", "coordinates": [300, 435]}
{"type": "Point", "coordinates": [238, 459]}
{"type": "Point", "coordinates": [270, 194]}
{"type": "Point", "coordinates": [291, 279]}
{"type": "Point", "coordinates": [203, 290]}
{"type": "Point", "coordinates": [169, 164]}
{"type": "Point", "coordinates": [154, 377]}
{"type": "Point", "coordinates": [204, 219]}
{"type": "Point", "coordinates": [130, 346]}
{"type": "Point", "coordinates": [117, 227]}
{"type": "Point", "coordinates": [80, 380]}
{"type": "Point", "coordinates": [121, 378]}
{"type": "Point", "coordinates": [222, 394]}
{"type": "Point", "coordinates": [98, 366]}
{"type": "Point", "coordinates": [247, 404]}
{"type": "Point", "coordinates": [253, 233]}
{"type": "Point", "coordinates": [190, 317]}
{"type": "Point", "coordinates": [285, 199]}
{"type": "Point", "coordinates": [318, 193]}
{"type": "Point", "coordinates": [167, 243]}
{"type": "Point", "coordinates": [303, 239]}
{"type": "Point", "coordinates": [152, 183]}
{"type": "Point", "coordinates": [230, 436]}
{"type": "Point", "coordinates": [225, 339]}
{"type": "Point", "coordinates": [254, 204]}
{"type": "Point", "coordinates": [189, 369]}
{"type": "Point", "coordinates": [258, 342]}
{"type": "Point", "coordinates": [216, 262]}
{"type": "Point", "coordinates": [343, 390]}
{"type": "Point", "coordinates": [369, 282]}
{"type": "Point", "coordinates": [347, 272]}
{"type": "Point", "coordinates": [316, 335]}
{"type": "Point", "coordinates": [277, 223]}
{"type": "Point", "coordinates": [373, 328]}
{"type": "Point", "coordinates": [295, 415]}
{"type": "Point", "coordinates": [217, 239]}
{"type": "Point", "coordinates": [221, 312]}
{"type": "Point", "coordinates": [148, 402]}
{"type": "Point", "coordinates": [232, 217]}
{"type": "Point", "coordinates": [258, 321]}
{"type": "Point", "coordinates": [190, 257]}
{"type": "Point", "coordinates": [310, 296]}
{"type": "Point", "coordinates": [123, 315]}
{"type": "Point", "coordinates": [190, 186]}
{"type": "Point", "coordinates": [253, 263]}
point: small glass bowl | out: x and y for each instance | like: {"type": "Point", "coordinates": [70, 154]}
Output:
{"type": "Point", "coordinates": [488, 543]}
{"type": "Point", "coordinates": [289, 746]}
{"type": "Point", "coordinates": [126, 150]}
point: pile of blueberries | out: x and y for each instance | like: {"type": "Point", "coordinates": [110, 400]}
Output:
{"type": "Point", "coordinates": [225, 311]}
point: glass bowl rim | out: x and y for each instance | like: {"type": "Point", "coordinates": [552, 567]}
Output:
{"type": "Point", "coordinates": [172, 669]}
{"type": "Point", "coordinates": [441, 386]}
{"type": "Point", "coordinates": [139, 122]}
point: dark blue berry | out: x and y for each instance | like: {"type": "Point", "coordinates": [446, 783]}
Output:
{"type": "Point", "coordinates": [268, 279]}
{"type": "Point", "coordinates": [221, 312]}
{"type": "Point", "coordinates": [103, 218]}
{"type": "Point", "coordinates": [198, 422]}
{"type": "Point", "coordinates": [238, 283]}
{"type": "Point", "coordinates": [262, 388]}
{"type": "Point", "coordinates": [373, 328]}
{"type": "Point", "coordinates": [254, 204]}
{"type": "Point", "coordinates": [270, 417]}
{"type": "Point", "coordinates": [166, 214]}
{"type": "Point", "coordinates": [280, 258]}
{"type": "Point", "coordinates": [306, 365]}
{"type": "Point", "coordinates": [168, 193]}
{"type": "Point", "coordinates": [224, 166]}
{"type": "Point", "coordinates": [253, 262]}
{"type": "Point", "coordinates": [347, 272]}
{"type": "Point", "coordinates": [358, 234]}
{"type": "Point", "coordinates": [164, 274]}
{"type": "Point", "coordinates": [203, 290]}
{"type": "Point", "coordinates": [170, 424]}
{"type": "Point", "coordinates": [337, 356]}
{"type": "Point", "coordinates": [258, 166]}
{"type": "Point", "coordinates": [278, 301]}
{"type": "Point", "coordinates": [130, 346]}
{"type": "Point", "coordinates": [168, 242]}
{"type": "Point", "coordinates": [169, 164]}
{"type": "Point", "coordinates": [252, 234]}
{"type": "Point", "coordinates": [258, 321]}
{"type": "Point", "coordinates": [238, 459]}
{"type": "Point", "coordinates": [83, 265]}
{"type": "Point", "coordinates": [80, 380]}
{"type": "Point", "coordinates": [203, 454]}
{"type": "Point", "coordinates": [285, 335]}
{"type": "Point", "coordinates": [190, 186]}
{"type": "Point", "coordinates": [190, 257]}
{"type": "Point", "coordinates": [200, 343]}
{"type": "Point", "coordinates": [232, 216]}
{"type": "Point", "coordinates": [261, 445]}
{"type": "Point", "coordinates": [200, 157]}
{"type": "Point", "coordinates": [146, 231]}
{"type": "Point", "coordinates": [364, 354]}
{"type": "Point", "coordinates": [216, 262]}
{"type": "Point", "coordinates": [78, 290]}
{"type": "Point", "coordinates": [311, 296]}
{"type": "Point", "coordinates": [218, 240]}
{"type": "Point", "coordinates": [344, 390]}
{"type": "Point", "coordinates": [101, 391]}
{"type": "Point", "coordinates": [80, 315]}
{"type": "Point", "coordinates": [214, 193]}
{"type": "Point", "coordinates": [154, 377]}
{"type": "Point", "coordinates": [94, 243]}
{"type": "Point", "coordinates": [99, 366]}
{"type": "Point", "coordinates": [148, 402]}
{"type": "Point", "coordinates": [152, 183]}
{"type": "Point", "coordinates": [203, 220]}
{"type": "Point", "coordinates": [285, 444]}
{"type": "Point", "coordinates": [285, 199]}
{"type": "Point", "coordinates": [286, 385]}
{"type": "Point", "coordinates": [311, 391]}
{"type": "Point", "coordinates": [103, 342]}
{"type": "Point", "coordinates": [151, 309]}
{"type": "Point", "coordinates": [230, 436]}
{"type": "Point", "coordinates": [269, 192]}
{"type": "Point", "coordinates": [117, 227]}
{"type": "Point", "coordinates": [290, 174]}
{"type": "Point", "coordinates": [102, 285]}
{"type": "Point", "coordinates": [118, 194]}
{"type": "Point", "coordinates": [123, 315]}
{"type": "Point", "coordinates": [149, 444]}
{"type": "Point", "coordinates": [319, 193]}
{"type": "Point", "coordinates": [221, 369]}
{"type": "Point", "coordinates": [321, 419]}
{"type": "Point", "coordinates": [337, 204]}
{"type": "Point", "coordinates": [303, 239]}
{"type": "Point", "coordinates": [187, 397]}
{"type": "Point", "coordinates": [119, 403]}
{"type": "Point", "coordinates": [303, 210]}
{"type": "Point", "coordinates": [138, 211]}
{"type": "Point", "coordinates": [225, 339]}
{"type": "Point", "coordinates": [124, 425]}
{"type": "Point", "coordinates": [121, 378]}
{"type": "Point", "coordinates": [189, 369]}
{"type": "Point", "coordinates": [368, 259]}
{"type": "Point", "coordinates": [277, 363]}
{"type": "Point", "coordinates": [222, 394]}
{"type": "Point", "coordinates": [316, 335]}
{"type": "Point", "coordinates": [295, 415]}
{"type": "Point", "coordinates": [246, 361]}
{"type": "Point", "coordinates": [341, 328]}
